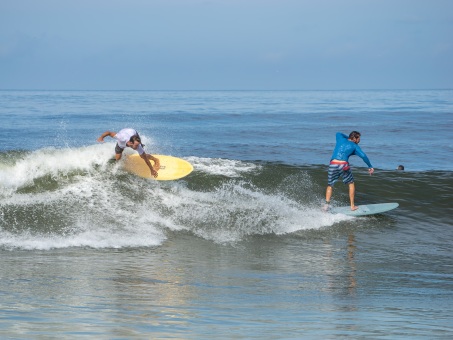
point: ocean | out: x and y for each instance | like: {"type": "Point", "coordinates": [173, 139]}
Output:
{"type": "Point", "coordinates": [241, 248]}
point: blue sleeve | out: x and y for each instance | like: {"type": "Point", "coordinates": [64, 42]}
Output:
{"type": "Point", "coordinates": [358, 151]}
{"type": "Point", "coordinates": [340, 136]}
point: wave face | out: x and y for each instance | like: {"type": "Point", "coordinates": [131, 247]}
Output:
{"type": "Point", "coordinates": [79, 197]}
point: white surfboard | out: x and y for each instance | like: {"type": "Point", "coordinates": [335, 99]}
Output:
{"type": "Point", "coordinates": [366, 209]}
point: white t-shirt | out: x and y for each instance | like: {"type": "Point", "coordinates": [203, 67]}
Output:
{"type": "Point", "coordinates": [124, 135]}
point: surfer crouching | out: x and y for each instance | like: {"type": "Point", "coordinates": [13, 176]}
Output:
{"type": "Point", "coordinates": [339, 164]}
{"type": "Point", "coordinates": [130, 138]}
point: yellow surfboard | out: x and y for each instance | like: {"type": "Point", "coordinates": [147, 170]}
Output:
{"type": "Point", "coordinates": [171, 168]}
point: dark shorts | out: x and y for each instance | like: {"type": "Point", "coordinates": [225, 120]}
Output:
{"type": "Point", "coordinates": [118, 150]}
{"type": "Point", "coordinates": [337, 170]}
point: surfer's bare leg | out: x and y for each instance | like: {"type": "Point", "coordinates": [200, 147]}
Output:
{"type": "Point", "coordinates": [326, 205]}
{"type": "Point", "coordinates": [328, 193]}
{"type": "Point", "coordinates": [352, 196]}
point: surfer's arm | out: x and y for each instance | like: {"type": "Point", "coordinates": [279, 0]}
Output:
{"type": "Point", "coordinates": [340, 136]}
{"type": "Point", "coordinates": [105, 134]}
{"type": "Point", "coordinates": [146, 157]}
{"type": "Point", "coordinates": [358, 151]}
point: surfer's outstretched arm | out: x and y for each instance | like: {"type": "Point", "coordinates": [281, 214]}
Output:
{"type": "Point", "coordinates": [146, 158]}
{"type": "Point", "coordinates": [156, 162]}
{"type": "Point", "coordinates": [105, 134]}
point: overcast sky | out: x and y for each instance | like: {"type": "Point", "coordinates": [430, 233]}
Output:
{"type": "Point", "coordinates": [226, 44]}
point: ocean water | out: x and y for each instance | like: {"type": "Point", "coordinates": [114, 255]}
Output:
{"type": "Point", "coordinates": [241, 247]}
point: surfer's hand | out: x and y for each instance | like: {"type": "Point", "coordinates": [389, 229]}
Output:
{"type": "Point", "coordinates": [154, 173]}
{"type": "Point", "coordinates": [100, 140]}
{"type": "Point", "coordinates": [370, 170]}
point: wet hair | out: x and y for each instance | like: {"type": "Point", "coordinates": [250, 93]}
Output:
{"type": "Point", "coordinates": [354, 134]}
{"type": "Point", "coordinates": [400, 167]}
{"type": "Point", "coordinates": [136, 138]}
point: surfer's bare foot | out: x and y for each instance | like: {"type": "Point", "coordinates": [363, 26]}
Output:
{"type": "Point", "coordinates": [354, 207]}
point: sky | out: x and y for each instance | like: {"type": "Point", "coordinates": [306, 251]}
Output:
{"type": "Point", "coordinates": [226, 44]}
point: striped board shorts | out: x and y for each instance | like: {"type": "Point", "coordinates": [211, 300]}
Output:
{"type": "Point", "coordinates": [337, 169]}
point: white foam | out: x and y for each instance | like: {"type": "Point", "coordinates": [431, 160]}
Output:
{"type": "Point", "coordinates": [224, 167]}
{"type": "Point", "coordinates": [95, 239]}
{"type": "Point", "coordinates": [86, 208]}
{"type": "Point", "coordinates": [237, 209]}
{"type": "Point", "coordinates": [92, 207]}
{"type": "Point", "coordinates": [53, 162]}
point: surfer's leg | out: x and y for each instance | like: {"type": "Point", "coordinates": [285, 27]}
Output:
{"type": "Point", "coordinates": [349, 179]}
{"type": "Point", "coordinates": [332, 176]}
{"type": "Point", "coordinates": [328, 194]}
{"type": "Point", "coordinates": [118, 152]}
{"type": "Point", "coordinates": [352, 196]}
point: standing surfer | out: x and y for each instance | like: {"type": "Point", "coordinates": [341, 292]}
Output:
{"type": "Point", "coordinates": [339, 164]}
{"type": "Point", "coordinates": [130, 138]}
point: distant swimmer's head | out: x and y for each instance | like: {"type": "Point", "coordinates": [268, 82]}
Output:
{"type": "Point", "coordinates": [355, 137]}
{"type": "Point", "coordinates": [134, 142]}
{"type": "Point", "coordinates": [400, 167]}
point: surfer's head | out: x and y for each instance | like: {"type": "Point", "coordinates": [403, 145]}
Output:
{"type": "Point", "coordinates": [355, 137]}
{"type": "Point", "coordinates": [134, 142]}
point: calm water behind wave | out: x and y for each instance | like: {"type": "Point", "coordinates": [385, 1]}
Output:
{"type": "Point", "coordinates": [398, 127]}
{"type": "Point", "coordinates": [240, 248]}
